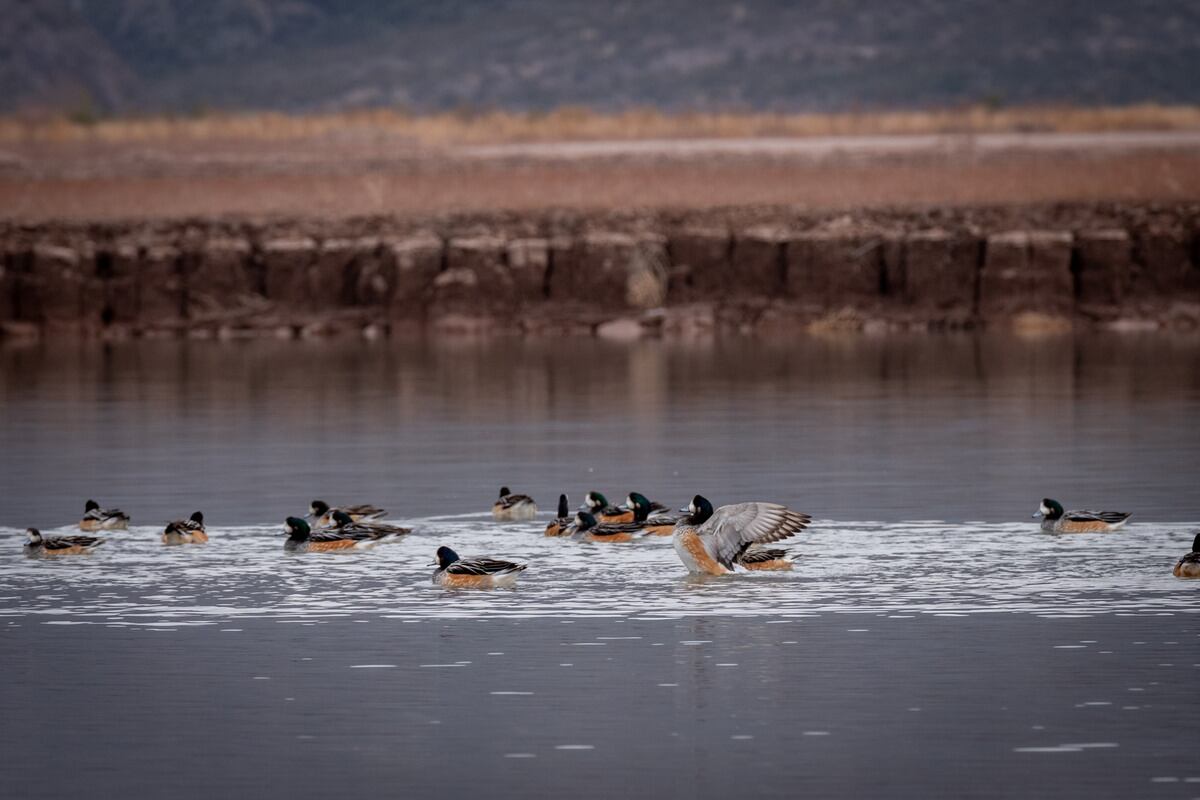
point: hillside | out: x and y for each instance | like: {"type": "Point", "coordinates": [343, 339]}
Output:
{"type": "Point", "coordinates": [177, 56]}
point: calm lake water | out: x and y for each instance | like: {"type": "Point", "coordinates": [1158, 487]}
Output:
{"type": "Point", "coordinates": [928, 427]}
{"type": "Point", "coordinates": [930, 642]}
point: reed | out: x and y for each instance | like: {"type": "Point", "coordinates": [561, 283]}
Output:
{"type": "Point", "coordinates": [582, 124]}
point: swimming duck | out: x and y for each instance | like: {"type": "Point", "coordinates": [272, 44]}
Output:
{"type": "Point", "coordinates": [598, 506]}
{"type": "Point", "coordinates": [322, 514]}
{"type": "Point", "coordinates": [514, 507]}
{"type": "Point", "coordinates": [39, 545]}
{"type": "Point", "coordinates": [587, 529]}
{"type": "Point", "coordinates": [454, 572]}
{"type": "Point", "coordinates": [655, 523]}
{"type": "Point", "coordinates": [377, 531]}
{"type": "Point", "coordinates": [563, 524]}
{"type": "Point", "coordinates": [1055, 520]}
{"type": "Point", "coordinates": [96, 518]}
{"type": "Point", "coordinates": [186, 531]}
{"type": "Point", "coordinates": [303, 539]}
{"type": "Point", "coordinates": [1189, 565]}
{"type": "Point", "coordinates": [715, 542]}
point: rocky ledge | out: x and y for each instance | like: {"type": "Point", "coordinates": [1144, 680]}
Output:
{"type": "Point", "coordinates": [761, 270]}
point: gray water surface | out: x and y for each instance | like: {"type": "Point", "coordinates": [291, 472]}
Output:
{"type": "Point", "coordinates": [923, 427]}
{"type": "Point", "coordinates": [931, 640]}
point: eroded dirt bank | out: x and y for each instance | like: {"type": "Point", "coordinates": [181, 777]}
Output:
{"type": "Point", "coordinates": [758, 269]}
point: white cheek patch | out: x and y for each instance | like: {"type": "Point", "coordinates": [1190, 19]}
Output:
{"type": "Point", "coordinates": [1045, 511]}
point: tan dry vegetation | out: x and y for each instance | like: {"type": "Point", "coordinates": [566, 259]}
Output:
{"type": "Point", "coordinates": [581, 124]}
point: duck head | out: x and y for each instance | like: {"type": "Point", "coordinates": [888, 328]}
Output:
{"type": "Point", "coordinates": [445, 557]}
{"type": "Point", "coordinates": [564, 510]}
{"type": "Point", "coordinates": [595, 501]}
{"type": "Point", "coordinates": [341, 519]}
{"type": "Point", "coordinates": [699, 510]}
{"type": "Point", "coordinates": [640, 505]}
{"type": "Point", "coordinates": [197, 518]}
{"type": "Point", "coordinates": [1050, 509]}
{"type": "Point", "coordinates": [35, 536]}
{"type": "Point", "coordinates": [318, 508]}
{"type": "Point", "coordinates": [584, 521]}
{"type": "Point", "coordinates": [90, 505]}
{"type": "Point", "coordinates": [297, 528]}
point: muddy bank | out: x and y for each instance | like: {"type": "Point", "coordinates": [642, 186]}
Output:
{"type": "Point", "coordinates": [749, 270]}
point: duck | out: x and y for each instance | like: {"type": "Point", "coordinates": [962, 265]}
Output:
{"type": "Point", "coordinates": [598, 506]}
{"type": "Point", "coordinates": [376, 531]}
{"type": "Point", "coordinates": [589, 530]}
{"type": "Point", "coordinates": [651, 516]}
{"type": "Point", "coordinates": [455, 572]}
{"type": "Point", "coordinates": [186, 531]}
{"type": "Point", "coordinates": [1055, 520]}
{"type": "Point", "coordinates": [96, 518]}
{"type": "Point", "coordinates": [303, 539]}
{"type": "Point", "coordinates": [563, 524]}
{"type": "Point", "coordinates": [514, 507]}
{"type": "Point", "coordinates": [321, 513]}
{"type": "Point", "coordinates": [1189, 565]}
{"type": "Point", "coordinates": [39, 545]}
{"type": "Point", "coordinates": [716, 542]}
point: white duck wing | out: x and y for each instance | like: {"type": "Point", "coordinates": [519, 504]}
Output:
{"type": "Point", "coordinates": [732, 529]}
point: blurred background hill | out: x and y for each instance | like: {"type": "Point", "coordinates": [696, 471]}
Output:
{"type": "Point", "coordinates": [180, 56]}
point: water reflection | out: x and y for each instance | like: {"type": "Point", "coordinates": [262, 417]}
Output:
{"type": "Point", "coordinates": [955, 427]}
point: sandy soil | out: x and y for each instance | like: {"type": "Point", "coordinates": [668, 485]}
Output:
{"type": "Point", "coordinates": [341, 177]}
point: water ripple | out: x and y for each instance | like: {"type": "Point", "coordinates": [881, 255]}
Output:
{"type": "Point", "coordinates": [895, 569]}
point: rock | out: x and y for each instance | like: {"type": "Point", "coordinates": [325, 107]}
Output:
{"type": "Point", "coordinates": [286, 265]}
{"type": "Point", "coordinates": [1164, 264]}
{"type": "Point", "coordinates": [160, 281]}
{"type": "Point", "coordinates": [117, 268]}
{"type": "Point", "coordinates": [220, 277]}
{"type": "Point", "coordinates": [757, 265]}
{"type": "Point", "coordinates": [616, 269]}
{"type": "Point", "coordinates": [1027, 271]}
{"type": "Point", "coordinates": [1103, 262]}
{"type": "Point", "coordinates": [333, 276]}
{"type": "Point", "coordinates": [8, 285]}
{"type": "Point", "coordinates": [829, 269]}
{"type": "Point", "coordinates": [701, 263]}
{"type": "Point", "coordinates": [1132, 325]}
{"type": "Point", "coordinates": [476, 278]}
{"type": "Point", "coordinates": [941, 272]}
{"type": "Point", "coordinates": [51, 289]}
{"type": "Point", "coordinates": [625, 329]}
{"type": "Point", "coordinates": [19, 330]}
{"type": "Point", "coordinates": [417, 260]}
{"type": "Point", "coordinates": [1038, 323]}
{"type": "Point", "coordinates": [592, 268]}
{"type": "Point", "coordinates": [375, 276]}
{"type": "Point", "coordinates": [528, 265]}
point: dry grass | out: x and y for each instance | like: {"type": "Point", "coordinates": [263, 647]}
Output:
{"type": "Point", "coordinates": [580, 124]}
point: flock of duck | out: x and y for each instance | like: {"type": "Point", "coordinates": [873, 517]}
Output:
{"type": "Point", "coordinates": [708, 541]}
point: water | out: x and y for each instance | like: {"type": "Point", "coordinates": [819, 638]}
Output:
{"type": "Point", "coordinates": [931, 641]}
{"type": "Point", "coordinates": [952, 428]}
{"type": "Point", "coordinates": [842, 568]}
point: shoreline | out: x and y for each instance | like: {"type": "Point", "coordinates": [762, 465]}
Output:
{"type": "Point", "coordinates": [770, 270]}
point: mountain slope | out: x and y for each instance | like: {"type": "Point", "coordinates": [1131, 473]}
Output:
{"type": "Point", "coordinates": [177, 55]}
